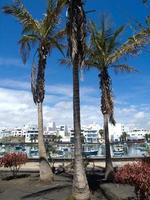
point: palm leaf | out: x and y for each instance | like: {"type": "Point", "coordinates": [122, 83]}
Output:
{"type": "Point", "coordinates": [133, 45]}
{"type": "Point", "coordinates": [123, 68]}
{"type": "Point", "coordinates": [51, 16]}
{"type": "Point", "coordinates": [25, 46]}
{"type": "Point", "coordinates": [23, 16]}
{"type": "Point", "coordinates": [114, 38]}
{"type": "Point", "coordinates": [65, 61]}
{"type": "Point", "coordinates": [55, 43]}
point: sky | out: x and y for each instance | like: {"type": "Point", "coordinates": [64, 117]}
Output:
{"type": "Point", "coordinates": [131, 91]}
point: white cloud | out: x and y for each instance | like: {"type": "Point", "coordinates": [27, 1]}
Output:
{"type": "Point", "coordinates": [134, 116]}
{"type": "Point", "coordinates": [10, 62]}
{"type": "Point", "coordinates": [17, 107]}
{"type": "Point", "coordinates": [9, 83]}
{"type": "Point", "coordinates": [139, 115]}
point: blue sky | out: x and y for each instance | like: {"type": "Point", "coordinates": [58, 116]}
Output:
{"type": "Point", "coordinates": [131, 92]}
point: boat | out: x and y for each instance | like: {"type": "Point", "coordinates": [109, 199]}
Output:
{"type": "Point", "coordinates": [118, 150]}
{"type": "Point", "coordinates": [142, 147]}
{"type": "Point", "coordinates": [2, 150]}
{"type": "Point", "coordinates": [18, 148]}
{"type": "Point", "coordinates": [61, 152]}
{"type": "Point", "coordinates": [91, 152]}
{"type": "Point", "coordinates": [33, 150]}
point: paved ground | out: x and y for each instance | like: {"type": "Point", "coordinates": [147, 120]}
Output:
{"type": "Point", "coordinates": [30, 188]}
{"type": "Point", "coordinates": [118, 191]}
{"type": "Point", "coordinates": [34, 166]}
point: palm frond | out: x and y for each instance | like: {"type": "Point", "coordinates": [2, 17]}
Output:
{"type": "Point", "coordinates": [22, 15]}
{"type": "Point", "coordinates": [51, 17]}
{"type": "Point", "coordinates": [97, 41]}
{"type": "Point", "coordinates": [123, 68]}
{"type": "Point", "coordinates": [113, 40]}
{"type": "Point", "coordinates": [25, 46]}
{"type": "Point", "coordinates": [76, 31]}
{"type": "Point", "coordinates": [56, 44]}
{"type": "Point", "coordinates": [59, 6]}
{"type": "Point", "coordinates": [65, 61]}
{"type": "Point", "coordinates": [133, 45]}
{"type": "Point", "coordinates": [60, 35]}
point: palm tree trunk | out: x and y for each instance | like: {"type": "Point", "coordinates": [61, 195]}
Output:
{"type": "Point", "coordinates": [80, 184]}
{"type": "Point", "coordinates": [46, 174]}
{"type": "Point", "coordinates": [109, 166]}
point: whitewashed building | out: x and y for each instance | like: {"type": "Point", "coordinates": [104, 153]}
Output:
{"type": "Point", "coordinates": [115, 132]}
{"type": "Point", "coordinates": [30, 133]}
{"type": "Point", "coordinates": [63, 131]}
{"type": "Point", "coordinates": [17, 132]}
{"type": "Point", "coordinates": [5, 133]}
{"type": "Point", "coordinates": [137, 134]}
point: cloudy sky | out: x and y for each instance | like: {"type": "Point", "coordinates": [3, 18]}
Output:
{"type": "Point", "coordinates": [131, 91]}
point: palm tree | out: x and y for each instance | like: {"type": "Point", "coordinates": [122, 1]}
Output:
{"type": "Point", "coordinates": [76, 44]}
{"type": "Point", "coordinates": [45, 35]}
{"type": "Point", "coordinates": [104, 53]}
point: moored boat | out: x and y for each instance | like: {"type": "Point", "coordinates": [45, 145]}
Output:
{"type": "Point", "coordinates": [118, 150]}
{"type": "Point", "coordinates": [91, 152]}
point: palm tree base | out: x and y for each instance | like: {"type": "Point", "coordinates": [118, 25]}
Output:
{"type": "Point", "coordinates": [81, 195]}
{"type": "Point", "coordinates": [109, 172]}
{"type": "Point", "coordinates": [46, 175]}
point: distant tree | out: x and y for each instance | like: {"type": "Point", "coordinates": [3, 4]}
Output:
{"type": "Point", "coordinates": [123, 137]}
{"type": "Point", "coordinates": [44, 35]}
{"type": "Point", "coordinates": [147, 137]}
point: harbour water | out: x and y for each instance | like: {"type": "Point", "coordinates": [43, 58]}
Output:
{"type": "Point", "coordinates": [90, 150]}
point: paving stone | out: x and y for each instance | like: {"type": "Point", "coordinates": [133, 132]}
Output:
{"type": "Point", "coordinates": [118, 191]}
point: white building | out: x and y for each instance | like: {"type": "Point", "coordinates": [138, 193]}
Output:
{"type": "Point", "coordinates": [17, 132]}
{"type": "Point", "coordinates": [115, 132]}
{"type": "Point", "coordinates": [51, 127]}
{"type": "Point", "coordinates": [91, 135]}
{"type": "Point", "coordinates": [137, 134]}
{"type": "Point", "coordinates": [64, 133]}
{"type": "Point", "coordinates": [30, 133]}
{"type": "Point", "coordinates": [5, 133]}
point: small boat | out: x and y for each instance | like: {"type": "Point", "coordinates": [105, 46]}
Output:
{"type": "Point", "coordinates": [18, 148]}
{"type": "Point", "coordinates": [2, 150]}
{"type": "Point", "coordinates": [23, 149]}
{"type": "Point", "coordinates": [91, 152]}
{"type": "Point", "coordinates": [118, 150]}
{"type": "Point", "coordinates": [33, 151]}
{"type": "Point", "coordinates": [143, 147]}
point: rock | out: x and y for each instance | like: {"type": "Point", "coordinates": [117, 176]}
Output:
{"type": "Point", "coordinates": [118, 191]}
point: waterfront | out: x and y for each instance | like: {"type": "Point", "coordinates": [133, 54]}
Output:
{"type": "Point", "coordinates": [90, 150]}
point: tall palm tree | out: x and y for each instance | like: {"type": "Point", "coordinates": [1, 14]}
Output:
{"type": "Point", "coordinates": [104, 53]}
{"type": "Point", "coordinates": [44, 35]}
{"type": "Point", "coordinates": [76, 44]}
